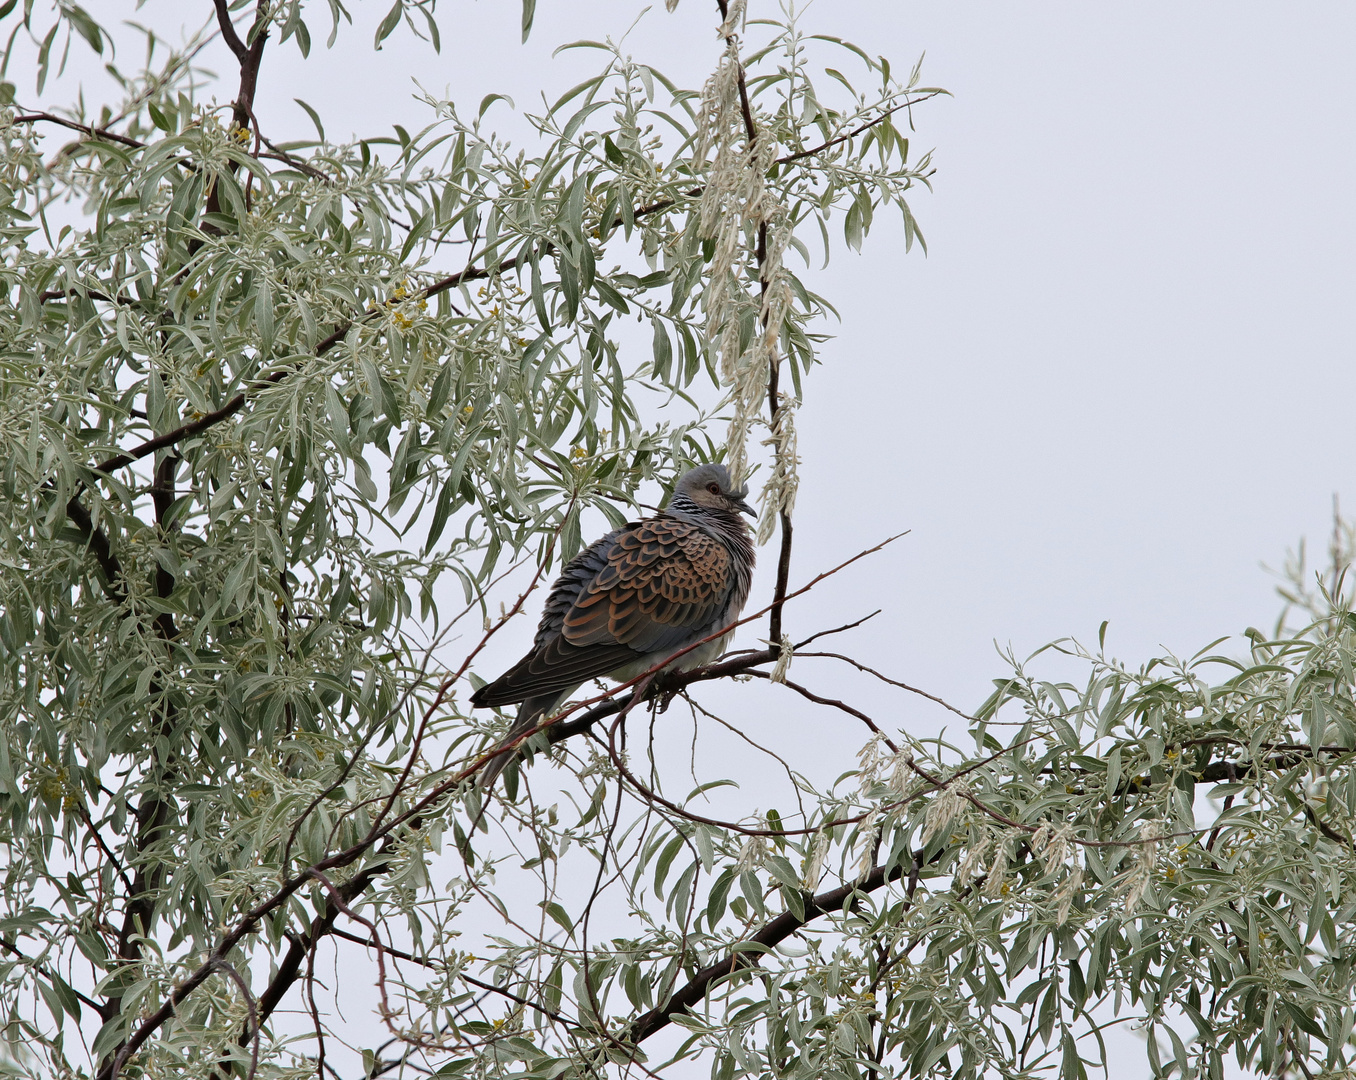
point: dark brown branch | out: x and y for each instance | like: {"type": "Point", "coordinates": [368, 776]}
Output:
{"type": "Point", "coordinates": [104, 849]}
{"type": "Point", "coordinates": [252, 1021]}
{"type": "Point", "coordinates": [246, 926]}
{"type": "Point", "coordinates": [775, 406]}
{"type": "Point", "coordinates": [834, 703]}
{"type": "Point", "coordinates": [84, 129]}
{"type": "Point", "coordinates": [857, 130]}
{"type": "Point", "coordinates": [209, 420]}
{"type": "Point", "coordinates": [895, 682]}
{"type": "Point", "coordinates": [535, 1006]}
{"type": "Point", "coordinates": [155, 812]}
{"type": "Point", "coordinates": [228, 33]}
{"type": "Point", "coordinates": [774, 622]}
{"type": "Point", "coordinates": [250, 54]}
{"type": "Point", "coordinates": [93, 294]}
{"type": "Point", "coordinates": [1326, 829]}
{"type": "Point", "coordinates": [837, 629]}
{"type": "Point", "coordinates": [771, 935]}
{"type": "Point", "coordinates": [301, 947]}
{"type": "Point", "coordinates": [668, 682]}
{"type": "Point", "coordinates": [401, 954]}
{"type": "Point", "coordinates": [41, 969]}
{"type": "Point", "coordinates": [96, 540]}
{"type": "Point", "coordinates": [296, 163]}
{"type": "Point", "coordinates": [1232, 771]}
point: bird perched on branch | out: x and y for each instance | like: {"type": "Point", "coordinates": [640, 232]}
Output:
{"type": "Point", "coordinates": [634, 598]}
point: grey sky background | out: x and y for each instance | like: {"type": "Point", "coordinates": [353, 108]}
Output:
{"type": "Point", "coordinates": [1121, 379]}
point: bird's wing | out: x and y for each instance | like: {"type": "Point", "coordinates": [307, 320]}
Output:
{"type": "Point", "coordinates": [649, 587]}
{"type": "Point", "coordinates": [553, 667]}
{"type": "Point", "coordinates": [663, 580]}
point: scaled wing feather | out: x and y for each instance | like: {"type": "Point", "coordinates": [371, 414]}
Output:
{"type": "Point", "coordinates": [662, 579]}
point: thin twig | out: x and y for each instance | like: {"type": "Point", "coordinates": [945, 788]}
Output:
{"type": "Point", "coordinates": [771, 935]}
{"type": "Point", "coordinates": [859, 130]}
{"type": "Point", "coordinates": [894, 682]}
{"type": "Point", "coordinates": [85, 129]}
{"type": "Point", "coordinates": [253, 1019]}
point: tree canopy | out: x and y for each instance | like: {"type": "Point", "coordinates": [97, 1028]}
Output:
{"type": "Point", "coordinates": [294, 428]}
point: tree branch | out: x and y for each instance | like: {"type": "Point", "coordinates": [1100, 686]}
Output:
{"type": "Point", "coordinates": [41, 969]}
{"type": "Point", "coordinates": [84, 129]}
{"type": "Point", "coordinates": [228, 33]}
{"type": "Point", "coordinates": [96, 540]}
{"type": "Point", "coordinates": [789, 158]}
{"type": "Point", "coordinates": [302, 946]}
{"type": "Point", "coordinates": [209, 420]}
{"type": "Point", "coordinates": [771, 935]}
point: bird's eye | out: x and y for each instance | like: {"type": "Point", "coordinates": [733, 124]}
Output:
{"type": "Point", "coordinates": [714, 489]}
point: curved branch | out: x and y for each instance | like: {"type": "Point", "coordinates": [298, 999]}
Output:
{"type": "Point", "coordinates": [858, 130]}
{"type": "Point", "coordinates": [771, 935]}
{"type": "Point", "coordinates": [84, 129]}
{"type": "Point", "coordinates": [209, 420]}
{"type": "Point", "coordinates": [228, 33]}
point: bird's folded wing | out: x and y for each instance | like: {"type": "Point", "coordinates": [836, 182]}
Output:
{"type": "Point", "coordinates": [663, 580]}
{"type": "Point", "coordinates": [551, 668]}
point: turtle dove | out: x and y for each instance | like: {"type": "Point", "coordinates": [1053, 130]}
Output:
{"type": "Point", "coordinates": [634, 598]}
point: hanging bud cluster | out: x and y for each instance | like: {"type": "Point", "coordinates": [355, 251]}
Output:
{"type": "Point", "coordinates": [752, 854]}
{"type": "Point", "coordinates": [1141, 873]}
{"type": "Point", "coordinates": [972, 866]}
{"type": "Point", "coordinates": [871, 758]}
{"type": "Point", "coordinates": [779, 493]}
{"type": "Point", "coordinates": [944, 809]}
{"type": "Point", "coordinates": [996, 878]}
{"type": "Point", "coordinates": [1053, 845]}
{"type": "Point", "coordinates": [785, 652]}
{"type": "Point", "coordinates": [1064, 895]}
{"type": "Point", "coordinates": [738, 213]}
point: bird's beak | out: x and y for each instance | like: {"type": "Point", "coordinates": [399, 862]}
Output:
{"type": "Point", "coordinates": [742, 506]}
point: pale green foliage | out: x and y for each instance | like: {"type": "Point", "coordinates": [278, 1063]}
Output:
{"type": "Point", "coordinates": [218, 699]}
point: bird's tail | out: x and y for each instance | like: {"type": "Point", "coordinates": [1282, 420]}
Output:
{"type": "Point", "coordinates": [530, 713]}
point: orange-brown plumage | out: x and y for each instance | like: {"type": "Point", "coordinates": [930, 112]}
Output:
{"type": "Point", "coordinates": [635, 597]}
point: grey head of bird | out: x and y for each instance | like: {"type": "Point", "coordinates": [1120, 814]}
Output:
{"type": "Point", "coordinates": [708, 489]}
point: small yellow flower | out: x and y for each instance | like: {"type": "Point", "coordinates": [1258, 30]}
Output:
{"type": "Point", "coordinates": [578, 453]}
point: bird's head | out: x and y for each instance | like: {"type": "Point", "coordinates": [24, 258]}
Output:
{"type": "Point", "coordinates": [709, 488]}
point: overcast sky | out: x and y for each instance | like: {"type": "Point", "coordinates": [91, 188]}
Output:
{"type": "Point", "coordinates": [1121, 379]}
